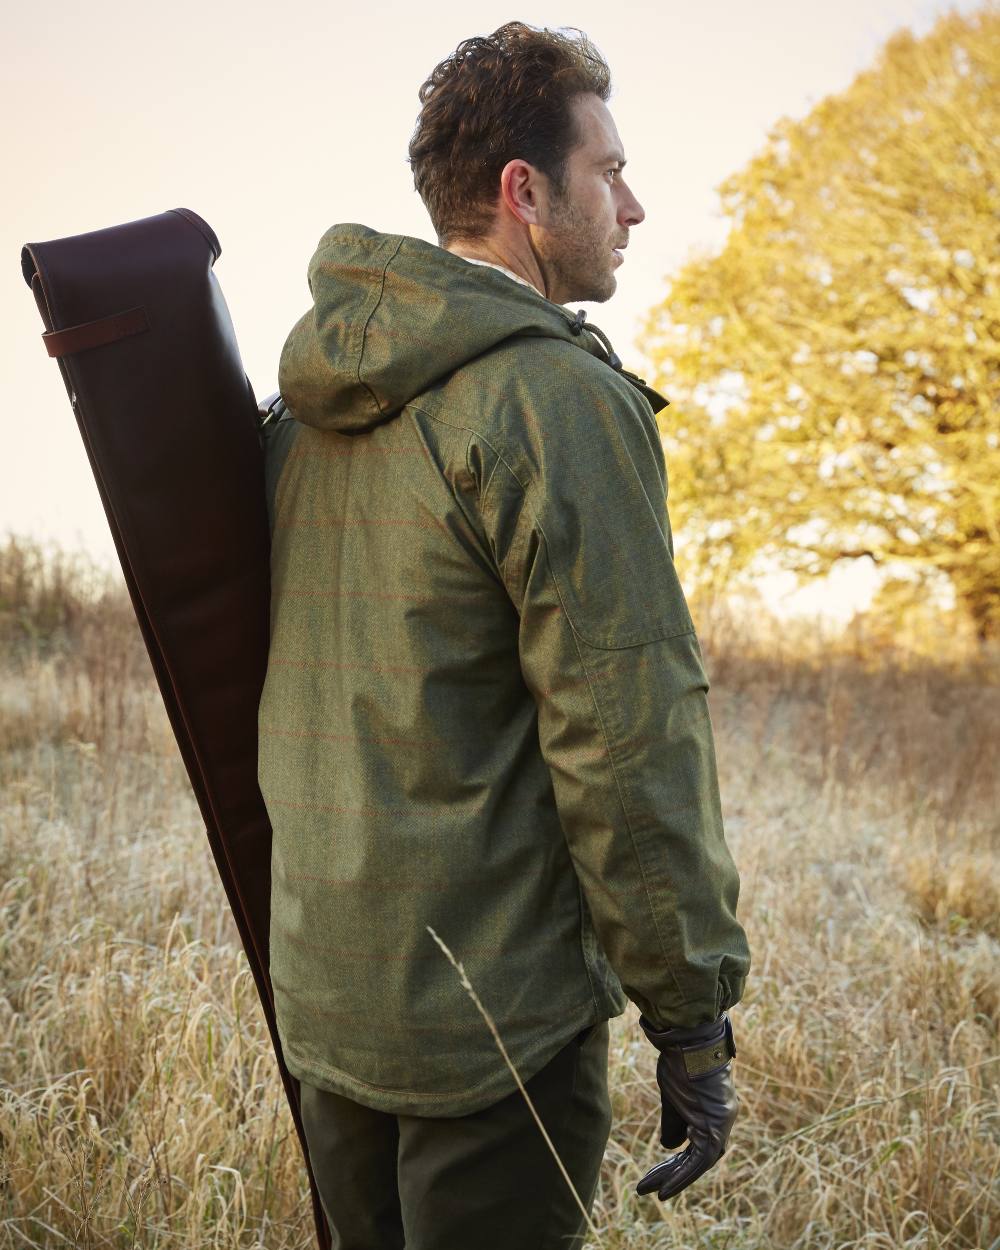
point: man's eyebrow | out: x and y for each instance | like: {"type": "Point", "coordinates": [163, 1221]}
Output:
{"type": "Point", "coordinates": [613, 158]}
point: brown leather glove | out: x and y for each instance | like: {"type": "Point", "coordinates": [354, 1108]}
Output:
{"type": "Point", "coordinates": [699, 1102]}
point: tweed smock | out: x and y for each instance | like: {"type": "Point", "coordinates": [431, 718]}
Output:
{"type": "Point", "coordinates": [485, 707]}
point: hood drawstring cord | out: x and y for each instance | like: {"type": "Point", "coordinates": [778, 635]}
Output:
{"type": "Point", "coordinates": [580, 322]}
{"type": "Point", "coordinates": [614, 360]}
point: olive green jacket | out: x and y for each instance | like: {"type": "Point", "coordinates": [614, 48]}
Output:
{"type": "Point", "coordinates": [485, 708]}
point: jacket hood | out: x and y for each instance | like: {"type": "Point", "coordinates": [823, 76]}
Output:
{"type": "Point", "coordinates": [392, 315]}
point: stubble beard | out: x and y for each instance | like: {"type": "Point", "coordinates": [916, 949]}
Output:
{"type": "Point", "coordinates": [578, 256]}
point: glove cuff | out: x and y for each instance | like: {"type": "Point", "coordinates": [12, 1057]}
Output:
{"type": "Point", "coordinates": [705, 1048]}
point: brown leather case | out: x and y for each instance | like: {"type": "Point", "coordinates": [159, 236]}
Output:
{"type": "Point", "coordinates": [145, 344]}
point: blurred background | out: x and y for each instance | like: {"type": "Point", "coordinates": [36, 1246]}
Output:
{"type": "Point", "coordinates": [820, 184]}
{"type": "Point", "coordinates": [816, 288]}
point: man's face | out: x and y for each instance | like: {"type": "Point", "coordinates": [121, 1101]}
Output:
{"type": "Point", "coordinates": [576, 239]}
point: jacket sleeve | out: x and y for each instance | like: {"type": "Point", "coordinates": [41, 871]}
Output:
{"type": "Point", "coordinates": [578, 526]}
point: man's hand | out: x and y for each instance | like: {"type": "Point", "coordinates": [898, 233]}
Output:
{"type": "Point", "coordinates": [694, 1073]}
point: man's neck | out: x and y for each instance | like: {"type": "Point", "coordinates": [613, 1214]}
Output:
{"type": "Point", "coordinates": [511, 259]}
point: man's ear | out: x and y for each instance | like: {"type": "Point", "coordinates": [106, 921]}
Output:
{"type": "Point", "coordinates": [519, 187]}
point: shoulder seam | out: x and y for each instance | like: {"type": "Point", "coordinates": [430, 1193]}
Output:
{"type": "Point", "coordinates": [493, 471]}
{"type": "Point", "coordinates": [473, 434]}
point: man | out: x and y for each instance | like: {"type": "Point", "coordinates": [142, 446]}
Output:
{"type": "Point", "coordinates": [485, 711]}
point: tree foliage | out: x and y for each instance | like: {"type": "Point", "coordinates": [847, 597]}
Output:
{"type": "Point", "coordinates": [834, 372]}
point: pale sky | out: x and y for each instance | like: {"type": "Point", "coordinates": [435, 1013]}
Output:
{"type": "Point", "coordinates": [274, 121]}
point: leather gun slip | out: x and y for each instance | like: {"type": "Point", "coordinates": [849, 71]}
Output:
{"type": "Point", "coordinates": [138, 325]}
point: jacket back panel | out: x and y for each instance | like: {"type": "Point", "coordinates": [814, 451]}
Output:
{"type": "Point", "coordinates": [401, 767]}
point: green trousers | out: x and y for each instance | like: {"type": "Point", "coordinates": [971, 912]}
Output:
{"type": "Point", "coordinates": [485, 1181]}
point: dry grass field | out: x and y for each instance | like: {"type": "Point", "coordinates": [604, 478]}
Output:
{"type": "Point", "coordinates": [139, 1102]}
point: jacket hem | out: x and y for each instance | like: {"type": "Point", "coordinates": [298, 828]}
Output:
{"type": "Point", "coordinates": [445, 1103]}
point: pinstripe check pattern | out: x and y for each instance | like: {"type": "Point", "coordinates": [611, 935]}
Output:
{"type": "Point", "coordinates": [485, 707]}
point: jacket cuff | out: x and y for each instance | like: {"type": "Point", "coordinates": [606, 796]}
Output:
{"type": "Point", "coordinates": [705, 1048]}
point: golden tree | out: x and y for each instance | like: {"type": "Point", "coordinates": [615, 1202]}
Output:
{"type": "Point", "coordinates": [834, 371]}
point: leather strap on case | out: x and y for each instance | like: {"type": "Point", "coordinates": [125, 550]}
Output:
{"type": "Point", "coordinates": [95, 333]}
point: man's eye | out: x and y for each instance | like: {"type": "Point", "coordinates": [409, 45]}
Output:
{"type": "Point", "coordinates": [612, 171]}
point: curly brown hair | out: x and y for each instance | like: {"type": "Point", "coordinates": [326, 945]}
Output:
{"type": "Point", "coordinates": [496, 98]}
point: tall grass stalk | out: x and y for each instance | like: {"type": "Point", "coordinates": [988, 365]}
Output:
{"type": "Point", "coordinates": [495, 1033]}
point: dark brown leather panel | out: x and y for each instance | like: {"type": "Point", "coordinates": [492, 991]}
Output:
{"type": "Point", "coordinates": [169, 421]}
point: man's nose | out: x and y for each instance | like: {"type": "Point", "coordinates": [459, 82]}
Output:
{"type": "Point", "coordinates": [630, 212]}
